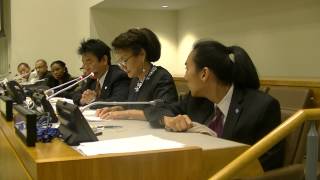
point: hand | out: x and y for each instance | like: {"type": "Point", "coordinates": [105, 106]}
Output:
{"type": "Point", "coordinates": [178, 123]}
{"type": "Point", "coordinates": [102, 112]}
{"type": "Point", "coordinates": [116, 115]}
{"type": "Point", "coordinates": [87, 97]}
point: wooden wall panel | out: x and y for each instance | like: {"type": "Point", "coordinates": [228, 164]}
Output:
{"type": "Point", "coordinates": [312, 84]}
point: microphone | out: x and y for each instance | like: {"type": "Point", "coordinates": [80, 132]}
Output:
{"type": "Point", "coordinates": [51, 90]}
{"type": "Point", "coordinates": [71, 86]}
{"type": "Point", "coordinates": [21, 76]}
{"type": "Point", "coordinates": [114, 103]}
{"type": "Point", "coordinates": [4, 81]}
{"type": "Point", "coordinates": [40, 80]}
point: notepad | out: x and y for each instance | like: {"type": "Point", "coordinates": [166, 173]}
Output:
{"type": "Point", "coordinates": [90, 115]}
{"type": "Point", "coordinates": [125, 145]}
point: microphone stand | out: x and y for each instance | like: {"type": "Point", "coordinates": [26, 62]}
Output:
{"type": "Point", "coordinates": [154, 102]}
{"type": "Point", "coordinates": [66, 83]}
{"type": "Point", "coordinates": [69, 87]}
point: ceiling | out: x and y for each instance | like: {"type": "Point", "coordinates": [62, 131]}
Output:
{"type": "Point", "coordinates": [150, 4]}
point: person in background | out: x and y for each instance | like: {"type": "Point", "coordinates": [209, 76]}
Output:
{"type": "Point", "coordinates": [137, 50]}
{"type": "Point", "coordinates": [109, 83]}
{"type": "Point", "coordinates": [225, 97]}
{"type": "Point", "coordinates": [42, 69]}
{"type": "Point", "coordinates": [25, 74]}
{"type": "Point", "coordinates": [59, 76]}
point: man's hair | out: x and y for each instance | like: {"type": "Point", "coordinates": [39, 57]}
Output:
{"type": "Point", "coordinates": [96, 47]}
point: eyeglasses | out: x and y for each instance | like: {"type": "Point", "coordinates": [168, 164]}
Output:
{"type": "Point", "coordinates": [125, 61]}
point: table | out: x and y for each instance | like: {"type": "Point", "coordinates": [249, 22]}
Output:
{"type": "Point", "coordinates": [200, 159]}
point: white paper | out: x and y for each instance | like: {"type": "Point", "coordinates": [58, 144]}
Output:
{"type": "Point", "coordinates": [54, 100]}
{"type": "Point", "coordinates": [90, 115]}
{"type": "Point", "coordinates": [124, 145]}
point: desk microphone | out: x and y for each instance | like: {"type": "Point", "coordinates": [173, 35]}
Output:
{"type": "Point", "coordinates": [20, 76]}
{"type": "Point", "coordinates": [51, 90]}
{"type": "Point", "coordinates": [70, 86]}
{"type": "Point", "coordinates": [153, 103]}
{"type": "Point", "coordinates": [4, 81]}
{"type": "Point", "coordinates": [39, 80]}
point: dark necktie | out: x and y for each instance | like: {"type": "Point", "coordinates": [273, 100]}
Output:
{"type": "Point", "coordinates": [98, 89]}
{"type": "Point", "coordinates": [216, 123]}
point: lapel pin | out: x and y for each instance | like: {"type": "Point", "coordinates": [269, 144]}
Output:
{"type": "Point", "coordinates": [105, 87]}
{"type": "Point", "coordinates": [237, 111]}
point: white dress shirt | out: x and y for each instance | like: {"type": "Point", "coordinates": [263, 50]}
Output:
{"type": "Point", "coordinates": [224, 104]}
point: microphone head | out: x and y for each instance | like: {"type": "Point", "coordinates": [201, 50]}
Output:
{"type": "Point", "coordinates": [89, 75]}
{"type": "Point", "coordinates": [157, 102]}
{"type": "Point", "coordinates": [48, 92]}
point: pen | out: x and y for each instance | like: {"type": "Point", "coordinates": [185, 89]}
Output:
{"type": "Point", "coordinates": [109, 126]}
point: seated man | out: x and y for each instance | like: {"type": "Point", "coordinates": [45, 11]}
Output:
{"type": "Point", "coordinates": [109, 83]}
{"type": "Point", "coordinates": [42, 69]}
{"type": "Point", "coordinates": [224, 96]}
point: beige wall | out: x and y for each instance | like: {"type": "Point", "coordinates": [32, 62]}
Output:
{"type": "Point", "coordinates": [48, 29]}
{"type": "Point", "coordinates": [282, 37]}
{"type": "Point", "coordinates": [109, 23]}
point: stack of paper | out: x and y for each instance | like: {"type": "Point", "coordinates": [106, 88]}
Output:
{"type": "Point", "coordinates": [90, 115]}
{"type": "Point", "coordinates": [131, 144]}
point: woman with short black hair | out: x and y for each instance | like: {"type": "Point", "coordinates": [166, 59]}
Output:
{"type": "Point", "coordinates": [60, 75]}
{"type": "Point", "coordinates": [136, 50]}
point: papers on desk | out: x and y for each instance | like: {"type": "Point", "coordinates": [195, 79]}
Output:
{"type": "Point", "coordinates": [90, 115]}
{"type": "Point", "coordinates": [124, 145]}
{"type": "Point", "coordinates": [54, 100]}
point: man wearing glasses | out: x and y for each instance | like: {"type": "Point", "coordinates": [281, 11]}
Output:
{"type": "Point", "coordinates": [109, 83]}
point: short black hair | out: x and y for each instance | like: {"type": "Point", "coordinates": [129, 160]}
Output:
{"type": "Point", "coordinates": [138, 39]}
{"type": "Point", "coordinates": [42, 60]}
{"type": "Point", "coordinates": [60, 63]}
{"type": "Point", "coordinates": [96, 47]}
{"type": "Point", "coordinates": [229, 64]}
{"type": "Point", "coordinates": [23, 64]}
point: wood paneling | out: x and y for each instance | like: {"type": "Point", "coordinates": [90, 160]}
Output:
{"type": "Point", "coordinates": [10, 166]}
{"type": "Point", "coordinates": [312, 84]}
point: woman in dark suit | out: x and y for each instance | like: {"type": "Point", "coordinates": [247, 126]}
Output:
{"type": "Point", "coordinates": [136, 50]}
{"type": "Point", "coordinates": [224, 96]}
{"type": "Point", "coordinates": [60, 75]}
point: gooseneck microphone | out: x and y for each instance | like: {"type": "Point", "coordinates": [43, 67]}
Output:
{"type": "Point", "coordinates": [153, 103]}
{"type": "Point", "coordinates": [51, 90]}
{"type": "Point", "coordinates": [20, 76]}
{"type": "Point", "coordinates": [70, 86]}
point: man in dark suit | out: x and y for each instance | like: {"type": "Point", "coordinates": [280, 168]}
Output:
{"type": "Point", "coordinates": [251, 115]}
{"type": "Point", "coordinates": [109, 83]}
{"type": "Point", "coordinates": [224, 96]}
{"type": "Point", "coordinates": [41, 67]}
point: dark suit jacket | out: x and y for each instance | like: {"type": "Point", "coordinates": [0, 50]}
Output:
{"type": "Point", "coordinates": [114, 88]}
{"type": "Point", "coordinates": [159, 85]}
{"type": "Point", "coordinates": [252, 114]}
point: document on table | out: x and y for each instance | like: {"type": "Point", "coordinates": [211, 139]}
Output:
{"type": "Point", "coordinates": [124, 145]}
{"type": "Point", "coordinates": [90, 115]}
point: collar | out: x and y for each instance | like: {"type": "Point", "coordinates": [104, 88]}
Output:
{"type": "Point", "coordinates": [224, 104]}
{"type": "Point", "coordinates": [103, 77]}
